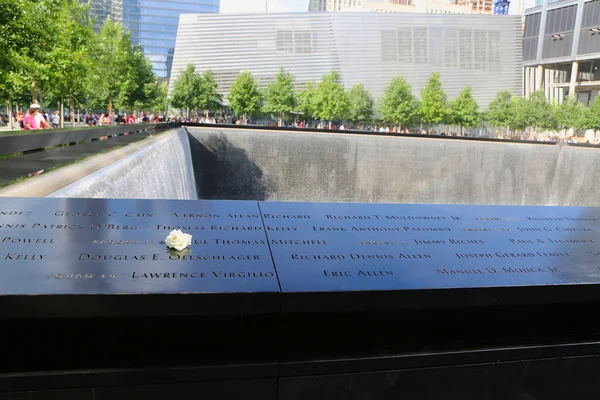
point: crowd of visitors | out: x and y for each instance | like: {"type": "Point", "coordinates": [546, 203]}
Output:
{"type": "Point", "coordinates": [36, 118]}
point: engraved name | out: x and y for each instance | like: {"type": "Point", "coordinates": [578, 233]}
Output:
{"type": "Point", "coordinates": [191, 215]}
{"type": "Point", "coordinates": [200, 275]}
{"type": "Point", "coordinates": [448, 241]}
{"type": "Point", "coordinates": [308, 242]}
{"type": "Point", "coordinates": [461, 256]}
{"type": "Point", "coordinates": [27, 240]}
{"type": "Point", "coordinates": [15, 213]}
{"type": "Point", "coordinates": [24, 257]}
{"type": "Point", "coordinates": [558, 229]}
{"type": "Point", "coordinates": [360, 272]}
{"type": "Point", "coordinates": [283, 216]}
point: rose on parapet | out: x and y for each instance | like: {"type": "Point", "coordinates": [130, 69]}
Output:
{"type": "Point", "coordinates": [178, 240]}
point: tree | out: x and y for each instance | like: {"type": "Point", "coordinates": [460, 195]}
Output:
{"type": "Point", "coordinates": [499, 110]}
{"type": "Point", "coordinates": [124, 77]}
{"type": "Point", "coordinates": [157, 92]}
{"type": "Point", "coordinates": [244, 95]}
{"type": "Point", "coordinates": [434, 103]}
{"type": "Point", "coordinates": [519, 117]}
{"type": "Point", "coordinates": [331, 101]}
{"type": "Point", "coordinates": [26, 30]}
{"type": "Point", "coordinates": [591, 117]}
{"type": "Point", "coordinates": [570, 114]}
{"type": "Point", "coordinates": [539, 111]}
{"type": "Point", "coordinates": [398, 105]}
{"type": "Point", "coordinates": [306, 99]}
{"type": "Point", "coordinates": [279, 95]}
{"type": "Point", "coordinates": [140, 79]}
{"type": "Point", "coordinates": [360, 104]}
{"type": "Point", "coordinates": [209, 98]}
{"type": "Point", "coordinates": [464, 110]}
{"type": "Point", "coordinates": [186, 91]}
{"type": "Point", "coordinates": [71, 62]}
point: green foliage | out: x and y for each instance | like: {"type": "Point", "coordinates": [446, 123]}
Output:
{"type": "Point", "coordinates": [279, 95]}
{"type": "Point", "coordinates": [157, 92]}
{"type": "Point", "coordinates": [123, 72]}
{"type": "Point", "coordinates": [306, 99]}
{"type": "Point", "coordinates": [434, 103]}
{"type": "Point", "coordinates": [331, 101]}
{"type": "Point", "coordinates": [569, 114]}
{"type": "Point", "coordinates": [540, 112]}
{"type": "Point", "coordinates": [398, 105]}
{"type": "Point", "coordinates": [27, 29]}
{"type": "Point", "coordinates": [244, 96]}
{"type": "Point", "coordinates": [464, 110]}
{"type": "Point", "coordinates": [360, 104]}
{"type": "Point", "coordinates": [591, 116]}
{"type": "Point", "coordinates": [141, 77]}
{"type": "Point", "coordinates": [71, 63]}
{"type": "Point", "coordinates": [187, 89]}
{"type": "Point", "coordinates": [50, 52]}
{"type": "Point", "coordinates": [518, 118]}
{"type": "Point", "coordinates": [209, 97]}
{"type": "Point", "coordinates": [500, 109]}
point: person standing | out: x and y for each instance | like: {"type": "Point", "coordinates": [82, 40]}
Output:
{"type": "Point", "coordinates": [29, 122]}
{"type": "Point", "coordinates": [39, 117]}
{"type": "Point", "coordinates": [55, 119]}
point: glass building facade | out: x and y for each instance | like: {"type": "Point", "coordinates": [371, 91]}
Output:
{"type": "Point", "coordinates": [561, 50]}
{"type": "Point", "coordinates": [153, 24]}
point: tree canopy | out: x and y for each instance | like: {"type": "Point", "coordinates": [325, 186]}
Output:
{"type": "Point", "coordinates": [398, 104]}
{"type": "Point", "coordinates": [331, 101]}
{"type": "Point", "coordinates": [434, 103]}
{"type": "Point", "coordinates": [571, 114]}
{"type": "Point", "coordinates": [306, 99]}
{"type": "Point", "coordinates": [186, 92]}
{"type": "Point", "coordinates": [279, 96]}
{"type": "Point", "coordinates": [591, 116]}
{"type": "Point", "coordinates": [209, 98]}
{"type": "Point", "coordinates": [500, 109]}
{"type": "Point", "coordinates": [51, 53]}
{"type": "Point", "coordinates": [245, 97]}
{"type": "Point", "coordinates": [464, 110]}
{"type": "Point", "coordinates": [360, 104]}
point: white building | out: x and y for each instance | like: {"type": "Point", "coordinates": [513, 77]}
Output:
{"type": "Point", "coordinates": [483, 51]}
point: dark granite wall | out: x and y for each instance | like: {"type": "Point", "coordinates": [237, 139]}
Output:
{"type": "Point", "coordinates": [240, 164]}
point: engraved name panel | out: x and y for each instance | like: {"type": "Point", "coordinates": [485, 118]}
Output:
{"type": "Point", "coordinates": [348, 247]}
{"type": "Point", "coordinates": [101, 246]}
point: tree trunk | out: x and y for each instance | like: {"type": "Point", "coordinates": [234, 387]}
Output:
{"type": "Point", "coordinates": [187, 112]}
{"type": "Point", "coordinates": [10, 114]}
{"type": "Point", "coordinates": [34, 92]}
{"type": "Point", "coordinates": [72, 106]}
{"type": "Point", "coordinates": [110, 103]}
{"type": "Point", "coordinates": [245, 119]}
{"type": "Point", "coordinates": [280, 119]}
{"type": "Point", "coordinates": [62, 112]}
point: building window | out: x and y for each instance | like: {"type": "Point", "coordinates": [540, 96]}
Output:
{"type": "Point", "coordinates": [294, 41]}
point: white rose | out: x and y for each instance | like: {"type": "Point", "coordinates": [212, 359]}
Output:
{"type": "Point", "coordinates": [178, 240]}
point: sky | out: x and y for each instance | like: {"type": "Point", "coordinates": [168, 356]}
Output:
{"type": "Point", "coordinates": [242, 6]}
